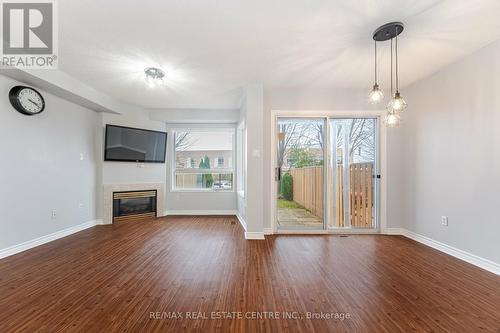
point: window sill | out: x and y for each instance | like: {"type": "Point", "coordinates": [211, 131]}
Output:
{"type": "Point", "coordinates": [200, 191]}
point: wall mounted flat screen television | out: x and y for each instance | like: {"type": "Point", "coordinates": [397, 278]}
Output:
{"type": "Point", "coordinates": [127, 144]}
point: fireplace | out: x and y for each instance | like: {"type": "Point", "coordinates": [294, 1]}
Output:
{"type": "Point", "coordinates": [134, 205]}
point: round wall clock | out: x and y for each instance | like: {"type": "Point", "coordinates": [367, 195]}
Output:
{"type": "Point", "coordinates": [26, 100]}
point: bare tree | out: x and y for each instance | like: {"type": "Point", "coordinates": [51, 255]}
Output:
{"type": "Point", "coordinates": [298, 135]}
{"type": "Point", "coordinates": [361, 138]}
{"type": "Point", "coordinates": [356, 135]}
{"type": "Point", "coordinates": [312, 136]}
{"type": "Point", "coordinates": [305, 135]}
{"type": "Point", "coordinates": [288, 135]}
{"type": "Point", "coordinates": [362, 143]}
{"type": "Point", "coordinates": [183, 141]}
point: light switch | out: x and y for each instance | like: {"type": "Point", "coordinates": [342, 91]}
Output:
{"type": "Point", "coordinates": [444, 220]}
{"type": "Point", "coordinates": [256, 153]}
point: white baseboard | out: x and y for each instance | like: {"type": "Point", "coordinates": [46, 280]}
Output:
{"type": "Point", "coordinates": [242, 221]}
{"type": "Point", "coordinates": [392, 231]}
{"type": "Point", "coordinates": [254, 235]}
{"type": "Point", "coordinates": [268, 231]}
{"type": "Point", "coordinates": [200, 212]}
{"type": "Point", "coordinates": [11, 250]}
{"type": "Point", "coordinates": [100, 222]}
{"type": "Point", "coordinates": [452, 251]}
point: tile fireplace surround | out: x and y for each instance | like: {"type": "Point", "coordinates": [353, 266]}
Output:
{"type": "Point", "coordinates": [110, 188]}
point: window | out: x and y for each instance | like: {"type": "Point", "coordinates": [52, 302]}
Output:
{"type": "Point", "coordinates": [203, 159]}
{"type": "Point", "coordinates": [189, 163]}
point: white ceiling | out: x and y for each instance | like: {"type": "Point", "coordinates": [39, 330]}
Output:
{"type": "Point", "coordinates": [209, 49]}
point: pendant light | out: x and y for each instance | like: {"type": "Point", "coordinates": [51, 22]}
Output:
{"type": "Point", "coordinates": [376, 95]}
{"type": "Point", "coordinates": [397, 104]}
{"type": "Point", "coordinates": [392, 118]}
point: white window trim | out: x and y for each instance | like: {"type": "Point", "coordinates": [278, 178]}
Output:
{"type": "Point", "coordinates": [173, 164]}
{"type": "Point", "coordinates": [241, 164]}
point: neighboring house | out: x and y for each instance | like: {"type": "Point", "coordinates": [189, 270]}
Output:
{"type": "Point", "coordinates": [316, 153]}
{"type": "Point", "coordinates": [219, 159]}
{"type": "Point", "coordinates": [191, 159]}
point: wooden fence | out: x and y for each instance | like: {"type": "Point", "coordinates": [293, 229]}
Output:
{"type": "Point", "coordinates": [339, 197]}
{"type": "Point", "coordinates": [308, 188]}
{"type": "Point", "coordinates": [361, 194]}
{"type": "Point", "coordinates": [308, 192]}
{"type": "Point", "coordinates": [186, 180]}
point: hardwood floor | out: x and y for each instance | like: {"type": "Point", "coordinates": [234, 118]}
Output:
{"type": "Point", "coordinates": [130, 277]}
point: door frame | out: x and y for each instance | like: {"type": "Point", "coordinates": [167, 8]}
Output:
{"type": "Point", "coordinates": [381, 136]}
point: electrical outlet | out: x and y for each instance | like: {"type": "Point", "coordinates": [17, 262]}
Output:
{"type": "Point", "coordinates": [81, 156]}
{"type": "Point", "coordinates": [80, 205]}
{"type": "Point", "coordinates": [54, 214]}
{"type": "Point", "coordinates": [444, 220]}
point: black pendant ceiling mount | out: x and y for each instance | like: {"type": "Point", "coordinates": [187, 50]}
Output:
{"type": "Point", "coordinates": [388, 31]}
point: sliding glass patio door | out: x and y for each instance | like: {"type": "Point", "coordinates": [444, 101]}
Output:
{"type": "Point", "coordinates": [353, 173]}
{"type": "Point", "coordinates": [326, 174]}
{"type": "Point", "coordinates": [300, 173]}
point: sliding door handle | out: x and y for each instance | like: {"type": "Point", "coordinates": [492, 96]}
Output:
{"type": "Point", "coordinates": [277, 174]}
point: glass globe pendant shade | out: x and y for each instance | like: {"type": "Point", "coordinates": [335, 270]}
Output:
{"type": "Point", "coordinates": [397, 104]}
{"type": "Point", "coordinates": [376, 95]}
{"type": "Point", "coordinates": [392, 119]}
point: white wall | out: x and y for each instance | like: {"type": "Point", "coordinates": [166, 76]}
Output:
{"type": "Point", "coordinates": [41, 168]}
{"type": "Point", "coordinates": [451, 155]}
{"type": "Point", "coordinates": [255, 189]}
{"type": "Point", "coordinates": [195, 116]}
{"type": "Point", "coordinates": [395, 178]}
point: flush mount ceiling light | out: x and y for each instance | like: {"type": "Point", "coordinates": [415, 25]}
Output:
{"type": "Point", "coordinates": [154, 76]}
{"type": "Point", "coordinates": [397, 104]}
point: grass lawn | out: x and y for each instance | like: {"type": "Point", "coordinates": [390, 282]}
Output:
{"type": "Point", "coordinates": [282, 203]}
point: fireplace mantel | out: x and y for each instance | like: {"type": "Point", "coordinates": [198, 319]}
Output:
{"type": "Point", "coordinates": [110, 188]}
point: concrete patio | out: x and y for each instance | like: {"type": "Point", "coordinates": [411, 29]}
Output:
{"type": "Point", "coordinates": [298, 218]}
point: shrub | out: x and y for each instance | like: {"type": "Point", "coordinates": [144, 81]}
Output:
{"type": "Point", "coordinates": [206, 180]}
{"type": "Point", "coordinates": [287, 186]}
